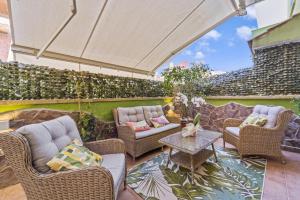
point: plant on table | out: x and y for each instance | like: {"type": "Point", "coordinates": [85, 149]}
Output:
{"type": "Point", "coordinates": [189, 84]}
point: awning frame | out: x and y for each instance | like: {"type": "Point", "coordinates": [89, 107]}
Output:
{"type": "Point", "coordinates": [239, 9]}
{"type": "Point", "coordinates": [63, 57]}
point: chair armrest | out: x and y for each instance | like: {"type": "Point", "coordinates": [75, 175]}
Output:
{"type": "Point", "coordinates": [232, 122]}
{"type": "Point", "coordinates": [126, 132]}
{"type": "Point", "coordinates": [87, 183]}
{"type": "Point", "coordinates": [251, 133]}
{"type": "Point", "coordinates": [108, 146]}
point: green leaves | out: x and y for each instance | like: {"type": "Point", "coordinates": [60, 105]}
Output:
{"type": "Point", "coordinates": [19, 81]}
{"type": "Point", "coordinates": [230, 178]}
{"type": "Point", "coordinates": [186, 80]}
{"type": "Point", "coordinates": [87, 125]}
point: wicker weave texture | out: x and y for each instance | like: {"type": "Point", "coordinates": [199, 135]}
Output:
{"type": "Point", "coordinates": [254, 140]}
{"type": "Point", "coordinates": [93, 183]}
{"type": "Point", "coordinates": [137, 147]}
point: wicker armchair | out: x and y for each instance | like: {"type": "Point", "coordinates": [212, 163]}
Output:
{"type": "Point", "coordinates": [254, 140]}
{"type": "Point", "coordinates": [88, 183]}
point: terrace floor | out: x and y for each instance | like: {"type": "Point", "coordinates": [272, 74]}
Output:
{"type": "Point", "coordinates": [282, 182]}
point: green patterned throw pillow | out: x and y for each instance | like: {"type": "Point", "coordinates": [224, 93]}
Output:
{"type": "Point", "coordinates": [255, 119]}
{"type": "Point", "coordinates": [74, 156]}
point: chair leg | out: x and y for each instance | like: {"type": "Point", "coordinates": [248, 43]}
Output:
{"type": "Point", "coordinates": [125, 184]}
{"type": "Point", "coordinates": [224, 143]}
{"type": "Point", "coordinates": [241, 157]}
{"type": "Point", "coordinates": [282, 158]}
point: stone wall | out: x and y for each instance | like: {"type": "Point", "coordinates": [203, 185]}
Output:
{"type": "Point", "coordinates": [276, 71]}
{"type": "Point", "coordinates": [18, 118]}
{"type": "Point", "coordinates": [212, 118]}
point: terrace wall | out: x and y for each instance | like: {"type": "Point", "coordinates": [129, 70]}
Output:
{"type": "Point", "coordinates": [276, 72]}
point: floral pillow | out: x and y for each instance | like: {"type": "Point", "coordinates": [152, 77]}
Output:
{"type": "Point", "coordinates": [256, 120]}
{"type": "Point", "coordinates": [139, 126]}
{"type": "Point", "coordinates": [159, 121]}
{"type": "Point", "coordinates": [74, 156]}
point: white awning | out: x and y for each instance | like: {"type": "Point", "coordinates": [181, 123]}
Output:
{"type": "Point", "coordinates": [135, 36]}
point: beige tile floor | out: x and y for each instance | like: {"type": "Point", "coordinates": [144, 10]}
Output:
{"type": "Point", "coordinates": [282, 182]}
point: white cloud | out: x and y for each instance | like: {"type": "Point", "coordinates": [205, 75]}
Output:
{"type": "Point", "coordinates": [203, 43]}
{"type": "Point", "coordinates": [251, 12]}
{"type": "Point", "coordinates": [204, 46]}
{"type": "Point", "coordinates": [244, 32]}
{"type": "Point", "coordinates": [213, 34]}
{"type": "Point", "coordinates": [199, 55]}
{"type": "Point", "coordinates": [188, 53]}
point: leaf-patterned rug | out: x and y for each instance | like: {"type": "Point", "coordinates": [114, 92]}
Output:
{"type": "Point", "coordinates": [230, 178]}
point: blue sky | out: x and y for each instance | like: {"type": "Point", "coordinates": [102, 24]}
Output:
{"type": "Point", "coordinates": [224, 49]}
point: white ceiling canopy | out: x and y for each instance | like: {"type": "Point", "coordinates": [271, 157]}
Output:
{"type": "Point", "coordinates": [128, 35]}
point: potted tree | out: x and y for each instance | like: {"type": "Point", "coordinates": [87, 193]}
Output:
{"type": "Point", "coordinates": [188, 85]}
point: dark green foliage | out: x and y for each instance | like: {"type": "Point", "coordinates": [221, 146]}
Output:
{"type": "Point", "coordinates": [296, 102]}
{"type": "Point", "coordinates": [190, 81]}
{"type": "Point", "coordinates": [276, 71]}
{"type": "Point", "coordinates": [87, 125]}
{"type": "Point", "coordinates": [19, 81]}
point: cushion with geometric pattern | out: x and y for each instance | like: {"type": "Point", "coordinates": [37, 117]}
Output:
{"type": "Point", "coordinates": [255, 119]}
{"type": "Point", "coordinates": [74, 156]}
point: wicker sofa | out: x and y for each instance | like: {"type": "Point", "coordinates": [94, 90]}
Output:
{"type": "Point", "coordinates": [141, 142]}
{"type": "Point", "coordinates": [254, 140]}
{"type": "Point", "coordinates": [30, 147]}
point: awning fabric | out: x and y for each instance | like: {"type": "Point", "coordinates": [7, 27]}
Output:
{"type": "Point", "coordinates": [128, 35]}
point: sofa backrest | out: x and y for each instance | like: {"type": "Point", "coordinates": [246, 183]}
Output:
{"type": "Point", "coordinates": [47, 138]}
{"type": "Point", "coordinates": [270, 112]}
{"type": "Point", "coordinates": [130, 114]}
{"type": "Point", "coordinates": [152, 111]}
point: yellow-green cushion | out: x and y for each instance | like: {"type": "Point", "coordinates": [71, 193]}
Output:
{"type": "Point", "coordinates": [255, 119]}
{"type": "Point", "coordinates": [74, 156]}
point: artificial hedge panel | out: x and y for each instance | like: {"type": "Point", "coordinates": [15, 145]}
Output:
{"type": "Point", "coordinates": [19, 81]}
{"type": "Point", "coordinates": [276, 71]}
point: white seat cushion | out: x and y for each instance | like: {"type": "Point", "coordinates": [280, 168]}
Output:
{"type": "Point", "coordinates": [233, 130]}
{"type": "Point", "coordinates": [152, 131]}
{"type": "Point", "coordinates": [115, 163]}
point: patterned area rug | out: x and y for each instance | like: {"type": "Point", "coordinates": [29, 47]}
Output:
{"type": "Point", "coordinates": [230, 178]}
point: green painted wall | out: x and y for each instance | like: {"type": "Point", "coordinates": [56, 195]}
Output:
{"type": "Point", "coordinates": [287, 103]}
{"type": "Point", "coordinates": [102, 110]}
{"type": "Point", "coordinates": [288, 31]}
{"type": "Point", "coordinates": [262, 30]}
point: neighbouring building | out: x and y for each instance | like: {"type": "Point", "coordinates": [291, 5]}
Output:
{"type": "Point", "coordinates": [5, 37]}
